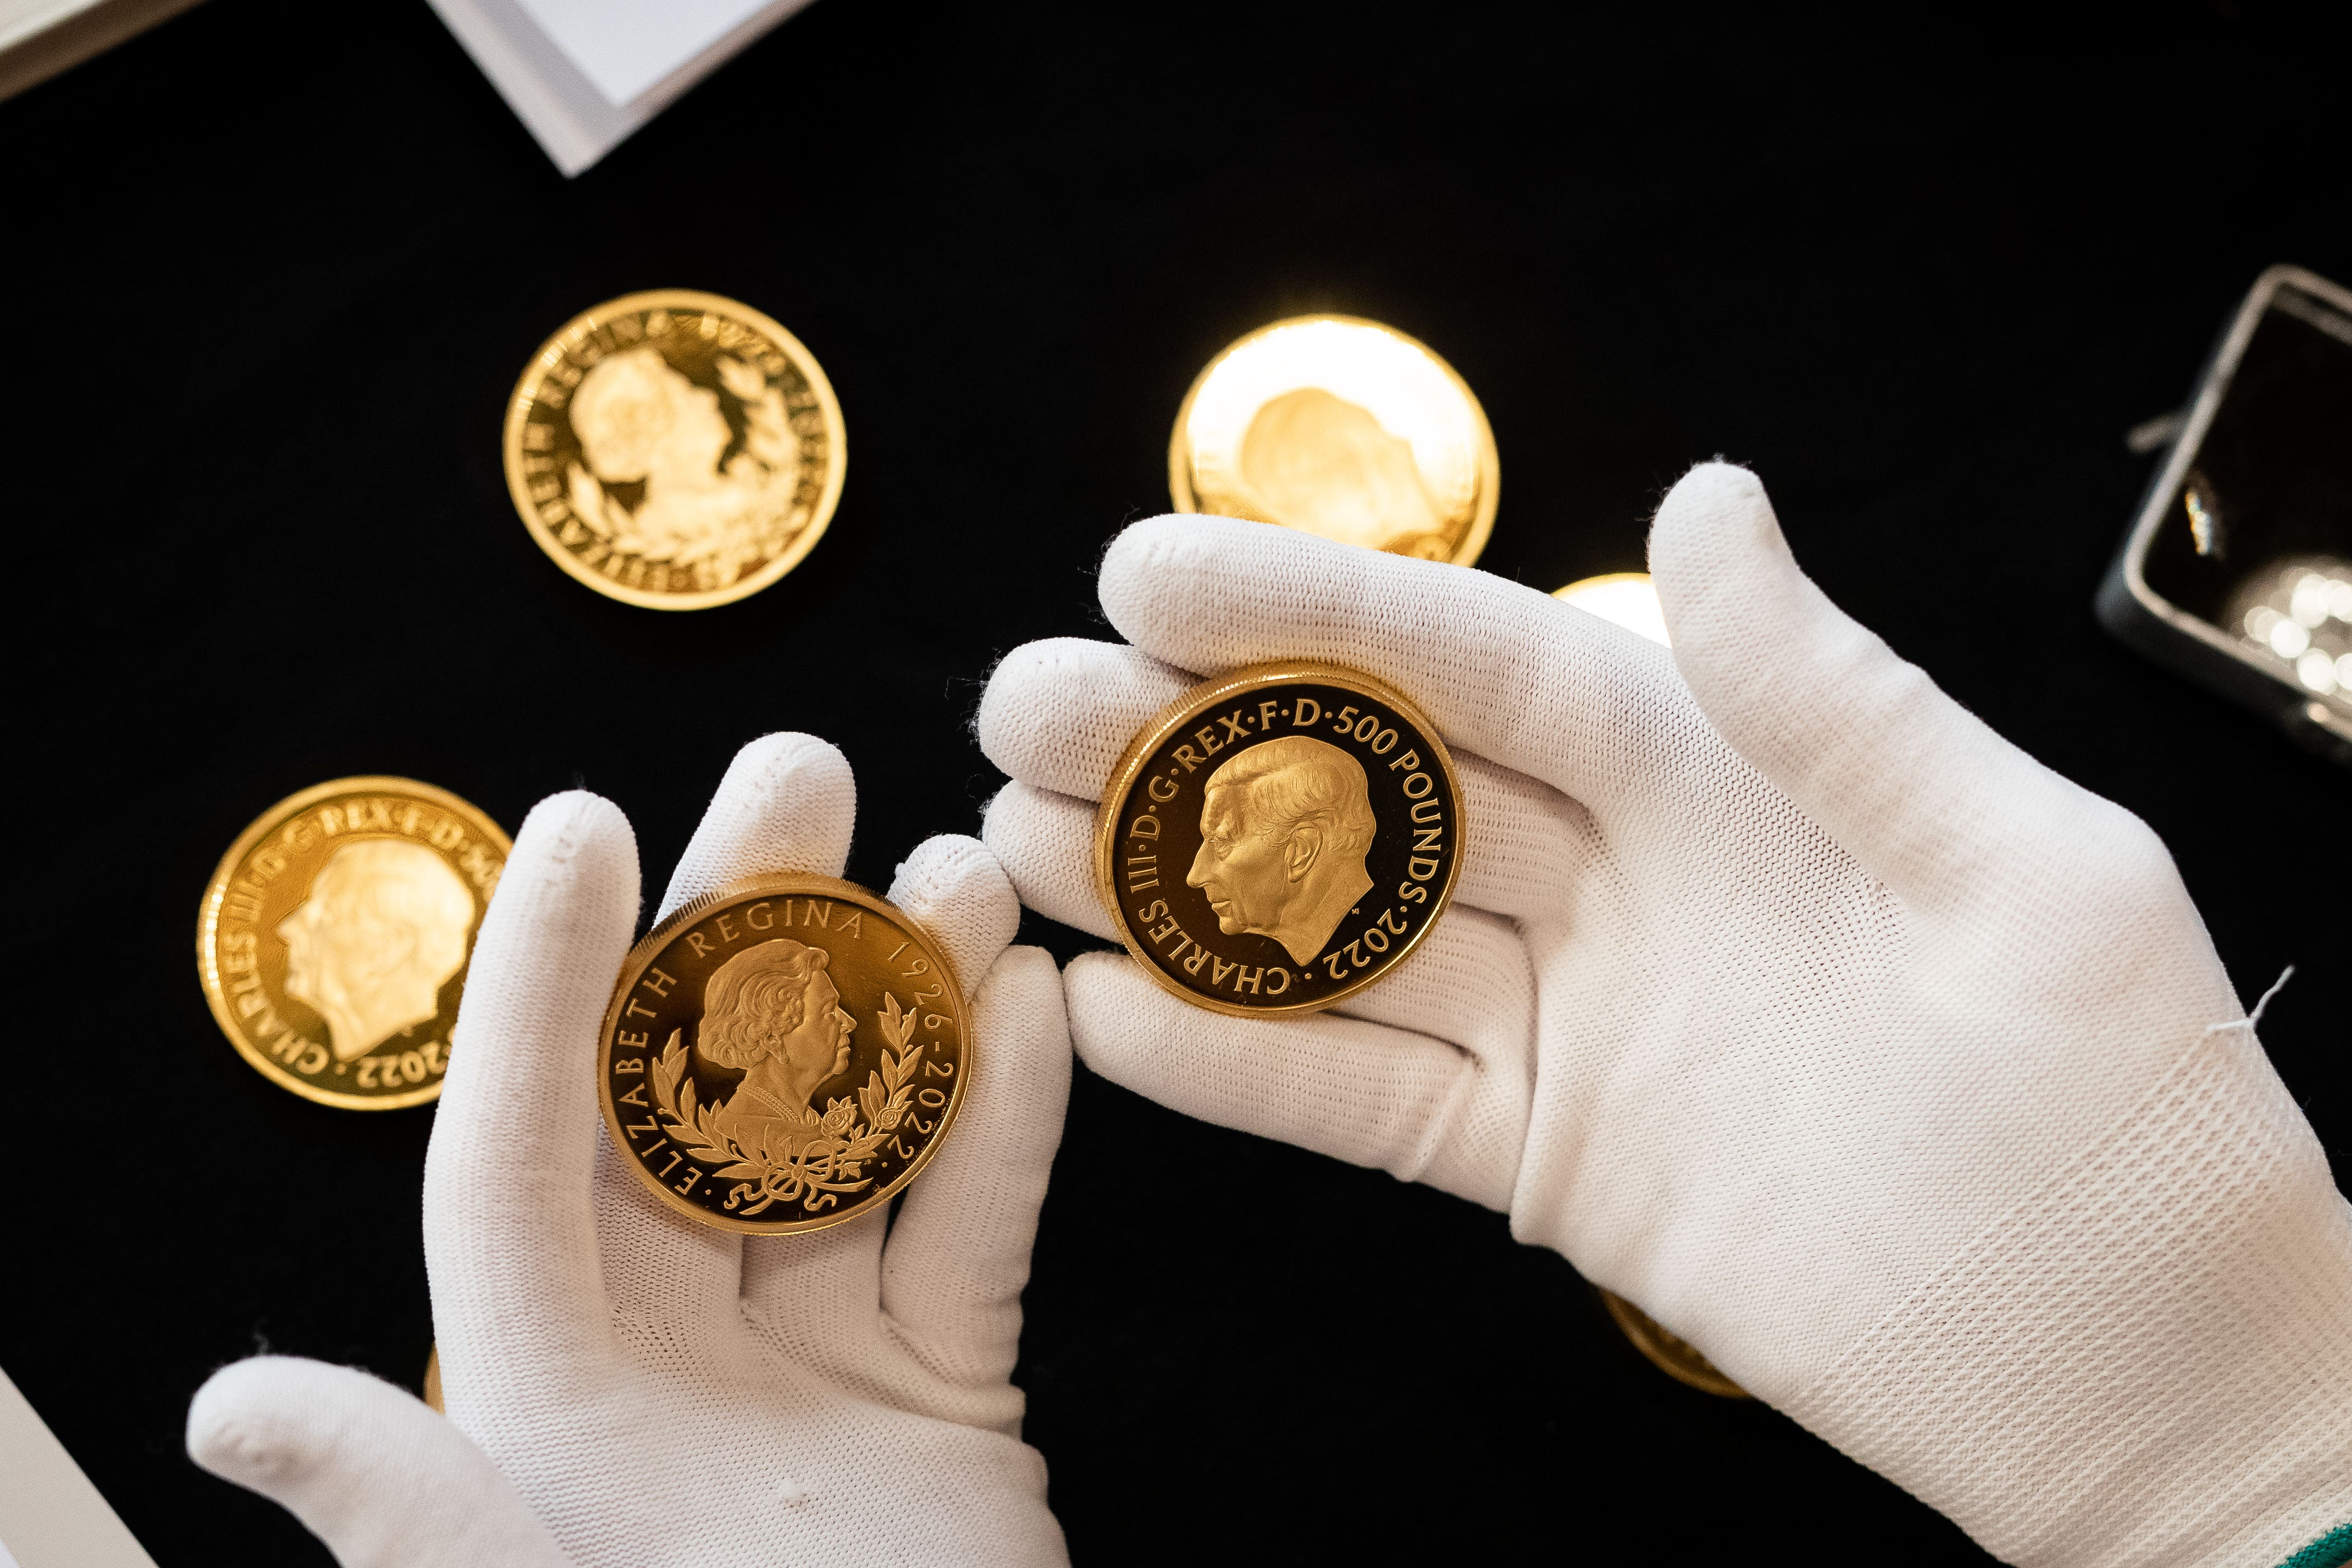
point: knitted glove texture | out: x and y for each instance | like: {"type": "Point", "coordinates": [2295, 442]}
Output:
{"type": "Point", "coordinates": [1786, 1000]}
{"type": "Point", "coordinates": [628, 1388]}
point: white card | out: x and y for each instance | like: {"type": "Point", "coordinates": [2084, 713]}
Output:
{"type": "Point", "coordinates": [584, 74]}
{"type": "Point", "coordinates": [50, 1516]}
{"type": "Point", "coordinates": [626, 48]}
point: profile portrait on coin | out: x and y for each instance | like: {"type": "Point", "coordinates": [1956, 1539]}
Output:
{"type": "Point", "coordinates": [1284, 830]}
{"type": "Point", "coordinates": [772, 1013]}
{"type": "Point", "coordinates": [1324, 466]}
{"type": "Point", "coordinates": [380, 931]}
{"type": "Point", "coordinates": [640, 421]}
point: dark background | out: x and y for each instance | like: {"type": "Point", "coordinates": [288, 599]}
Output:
{"type": "Point", "coordinates": [273, 269]}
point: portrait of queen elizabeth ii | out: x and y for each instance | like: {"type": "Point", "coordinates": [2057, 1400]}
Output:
{"type": "Point", "coordinates": [709, 505]}
{"type": "Point", "coordinates": [772, 1013]}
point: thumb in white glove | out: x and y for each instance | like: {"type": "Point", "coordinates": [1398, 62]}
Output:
{"type": "Point", "coordinates": [1786, 999]}
{"type": "Point", "coordinates": [368, 1467]}
{"type": "Point", "coordinates": [626, 1387]}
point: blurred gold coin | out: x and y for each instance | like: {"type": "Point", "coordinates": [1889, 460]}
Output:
{"type": "Point", "coordinates": [1674, 1356]}
{"type": "Point", "coordinates": [1623, 599]}
{"type": "Point", "coordinates": [675, 450]}
{"type": "Point", "coordinates": [1342, 427]}
{"type": "Point", "coordinates": [333, 938]}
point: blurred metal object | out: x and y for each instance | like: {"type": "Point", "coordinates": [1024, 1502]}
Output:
{"type": "Point", "coordinates": [2238, 570]}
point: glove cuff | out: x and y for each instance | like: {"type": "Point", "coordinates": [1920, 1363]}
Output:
{"type": "Point", "coordinates": [2332, 1550]}
{"type": "Point", "coordinates": [2150, 1361]}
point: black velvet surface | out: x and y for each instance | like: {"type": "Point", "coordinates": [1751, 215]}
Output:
{"type": "Point", "coordinates": [272, 270]}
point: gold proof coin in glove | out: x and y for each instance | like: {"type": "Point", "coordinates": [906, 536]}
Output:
{"type": "Point", "coordinates": [675, 450]}
{"type": "Point", "coordinates": [333, 938]}
{"type": "Point", "coordinates": [782, 1055]}
{"type": "Point", "coordinates": [1342, 427]}
{"type": "Point", "coordinates": [1668, 1352]}
{"type": "Point", "coordinates": [1279, 838]}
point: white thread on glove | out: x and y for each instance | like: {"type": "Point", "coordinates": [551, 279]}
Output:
{"type": "Point", "coordinates": [1861, 1049]}
{"type": "Point", "coordinates": [626, 1387]}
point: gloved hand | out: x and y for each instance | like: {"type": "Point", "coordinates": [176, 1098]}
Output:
{"type": "Point", "coordinates": [1789, 1001]}
{"type": "Point", "coordinates": [626, 1387]}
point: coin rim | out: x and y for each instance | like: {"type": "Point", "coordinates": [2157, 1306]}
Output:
{"type": "Point", "coordinates": [1636, 1326]}
{"type": "Point", "coordinates": [216, 891]}
{"type": "Point", "coordinates": [1211, 693]}
{"type": "Point", "coordinates": [518, 408]}
{"type": "Point", "coordinates": [776, 884]}
{"type": "Point", "coordinates": [1490, 462]}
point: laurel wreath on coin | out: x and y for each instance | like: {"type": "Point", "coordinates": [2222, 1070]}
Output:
{"type": "Point", "coordinates": [811, 1164]}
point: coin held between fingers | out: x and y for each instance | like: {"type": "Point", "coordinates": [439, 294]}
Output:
{"type": "Point", "coordinates": [1279, 839]}
{"type": "Point", "coordinates": [783, 1054]}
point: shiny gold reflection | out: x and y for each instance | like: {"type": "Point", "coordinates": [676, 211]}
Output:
{"type": "Point", "coordinates": [1625, 599]}
{"type": "Point", "coordinates": [1343, 428]}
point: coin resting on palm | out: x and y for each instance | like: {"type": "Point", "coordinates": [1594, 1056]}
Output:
{"type": "Point", "coordinates": [333, 938]}
{"type": "Point", "coordinates": [782, 1055]}
{"type": "Point", "coordinates": [1343, 428]}
{"type": "Point", "coordinates": [1279, 838]}
{"type": "Point", "coordinates": [675, 450]}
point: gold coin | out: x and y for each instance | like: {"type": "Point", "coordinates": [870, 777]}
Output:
{"type": "Point", "coordinates": [1279, 838]}
{"type": "Point", "coordinates": [782, 1055]}
{"type": "Point", "coordinates": [333, 938]}
{"type": "Point", "coordinates": [1342, 427]}
{"type": "Point", "coordinates": [1669, 1353]}
{"type": "Point", "coordinates": [675, 450]}
{"type": "Point", "coordinates": [1625, 599]}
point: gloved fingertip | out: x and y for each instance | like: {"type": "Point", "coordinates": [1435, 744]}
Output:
{"type": "Point", "coordinates": [1137, 569]}
{"type": "Point", "coordinates": [1042, 691]}
{"type": "Point", "coordinates": [255, 1420]}
{"type": "Point", "coordinates": [792, 787]}
{"type": "Point", "coordinates": [1027, 982]}
{"type": "Point", "coordinates": [576, 835]}
{"type": "Point", "coordinates": [788, 761]}
{"type": "Point", "coordinates": [1724, 572]}
{"type": "Point", "coordinates": [954, 884]}
{"type": "Point", "coordinates": [1716, 508]}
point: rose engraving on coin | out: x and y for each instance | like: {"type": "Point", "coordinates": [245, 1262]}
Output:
{"type": "Point", "coordinates": [782, 1055]}
{"type": "Point", "coordinates": [1279, 839]}
{"type": "Point", "coordinates": [1343, 428]}
{"type": "Point", "coordinates": [333, 938]}
{"type": "Point", "coordinates": [675, 450]}
{"type": "Point", "coordinates": [1668, 1351]}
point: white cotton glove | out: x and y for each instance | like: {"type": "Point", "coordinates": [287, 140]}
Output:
{"type": "Point", "coordinates": [1787, 1000]}
{"type": "Point", "coordinates": [626, 1387]}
